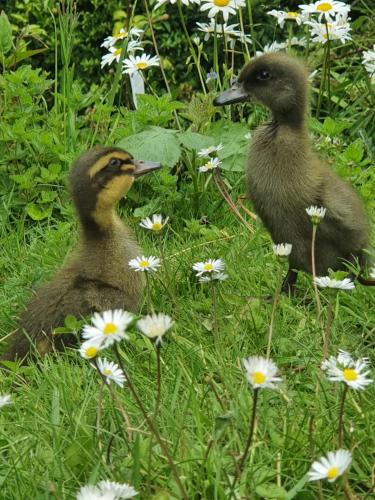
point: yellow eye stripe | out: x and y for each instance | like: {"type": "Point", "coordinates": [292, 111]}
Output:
{"type": "Point", "coordinates": [103, 162]}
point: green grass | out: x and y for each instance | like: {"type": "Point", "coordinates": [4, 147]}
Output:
{"type": "Point", "coordinates": [63, 429]}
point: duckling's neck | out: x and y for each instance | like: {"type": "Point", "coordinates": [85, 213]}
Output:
{"type": "Point", "coordinates": [99, 223]}
{"type": "Point", "coordinates": [294, 118]}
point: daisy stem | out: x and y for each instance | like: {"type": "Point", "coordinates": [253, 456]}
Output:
{"type": "Point", "coordinates": [328, 328]}
{"type": "Point", "coordinates": [158, 380]}
{"type": "Point", "coordinates": [248, 442]}
{"type": "Point", "coordinates": [290, 34]}
{"type": "Point", "coordinates": [323, 80]}
{"type": "Point", "coordinates": [149, 21]}
{"type": "Point", "coordinates": [152, 428]}
{"type": "Point", "coordinates": [148, 294]}
{"type": "Point", "coordinates": [119, 406]}
{"type": "Point", "coordinates": [216, 55]}
{"type": "Point", "coordinates": [192, 50]}
{"type": "Point", "coordinates": [214, 311]}
{"type": "Point", "coordinates": [328, 63]}
{"type": "Point", "coordinates": [313, 269]}
{"type": "Point", "coordinates": [274, 305]}
{"type": "Point", "coordinates": [244, 42]}
{"type": "Point", "coordinates": [341, 416]}
{"type": "Point", "coordinates": [251, 24]}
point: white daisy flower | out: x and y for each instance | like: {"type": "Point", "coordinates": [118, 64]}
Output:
{"type": "Point", "coordinates": [172, 2]}
{"type": "Point", "coordinates": [207, 152]}
{"type": "Point", "coordinates": [261, 372]}
{"type": "Point", "coordinates": [90, 348]}
{"type": "Point", "coordinates": [230, 31]}
{"type": "Point", "coordinates": [272, 47]}
{"type": "Point", "coordinates": [327, 282]}
{"type": "Point", "coordinates": [144, 263]}
{"type": "Point", "coordinates": [283, 16]}
{"type": "Point", "coordinates": [326, 8]}
{"type": "Point", "coordinates": [282, 249]}
{"type": "Point", "coordinates": [344, 368]}
{"type": "Point", "coordinates": [209, 266]}
{"type": "Point", "coordinates": [330, 467]}
{"type": "Point", "coordinates": [213, 277]}
{"type": "Point", "coordinates": [155, 326]}
{"type": "Point", "coordinates": [156, 223]}
{"type": "Point", "coordinates": [112, 40]}
{"type": "Point", "coordinates": [210, 165]}
{"type": "Point", "coordinates": [111, 371]}
{"type": "Point", "coordinates": [113, 55]}
{"type": "Point", "coordinates": [5, 399]}
{"type": "Point", "coordinates": [139, 63]}
{"type": "Point", "coordinates": [226, 7]}
{"type": "Point", "coordinates": [316, 214]}
{"type": "Point", "coordinates": [106, 490]}
{"type": "Point", "coordinates": [108, 327]}
{"type": "Point", "coordinates": [121, 490]}
{"type": "Point", "coordinates": [337, 30]}
{"type": "Point", "coordinates": [368, 61]}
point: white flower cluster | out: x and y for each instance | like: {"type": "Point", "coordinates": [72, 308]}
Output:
{"type": "Point", "coordinates": [106, 490]}
{"type": "Point", "coordinates": [210, 155]}
{"type": "Point", "coordinates": [369, 61]}
{"type": "Point", "coordinates": [210, 270]}
{"type": "Point", "coordinates": [133, 63]}
{"type": "Point", "coordinates": [332, 23]}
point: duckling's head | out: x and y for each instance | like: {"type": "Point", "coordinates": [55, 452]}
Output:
{"type": "Point", "coordinates": [278, 81]}
{"type": "Point", "coordinates": [100, 177]}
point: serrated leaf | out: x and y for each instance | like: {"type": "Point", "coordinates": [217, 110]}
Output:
{"type": "Point", "coordinates": [192, 140]}
{"type": "Point", "coordinates": [232, 137]}
{"type": "Point", "coordinates": [5, 33]}
{"type": "Point", "coordinates": [354, 152]}
{"type": "Point", "coordinates": [154, 144]}
{"type": "Point", "coordinates": [36, 213]}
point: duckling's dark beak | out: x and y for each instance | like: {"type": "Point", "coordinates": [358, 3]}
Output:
{"type": "Point", "coordinates": [144, 167]}
{"type": "Point", "coordinates": [235, 94]}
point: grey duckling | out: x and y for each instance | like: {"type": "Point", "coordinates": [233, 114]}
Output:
{"type": "Point", "coordinates": [285, 176]}
{"type": "Point", "coordinates": [96, 277]}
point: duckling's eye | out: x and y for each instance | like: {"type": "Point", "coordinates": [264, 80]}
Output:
{"type": "Point", "coordinates": [115, 162]}
{"type": "Point", "coordinates": [263, 75]}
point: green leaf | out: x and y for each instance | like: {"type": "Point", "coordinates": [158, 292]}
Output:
{"type": "Point", "coordinates": [5, 34]}
{"type": "Point", "coordinates": [154, 144]}
{"type": "Point", "coordinates": [192, 140]}
{"type": "Point", "coordinates": [269, 491]}
{"type": "Point", "coordinates": [36, 212]}
{"type": "Point", "coordinates": [354, 152]}
{"type": "Point", "coordinates": [232, 137]}
{"type": "Point", "coordinates": [20, 56]}
{"type": "Point", "coordinates": [146, 210]}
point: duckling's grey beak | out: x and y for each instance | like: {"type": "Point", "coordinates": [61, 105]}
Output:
{"type": "Point", "coordinates": [144, 167]}
{"type": "Point", "coordinates": [235, 94]}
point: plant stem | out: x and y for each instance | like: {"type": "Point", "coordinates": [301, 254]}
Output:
{"type": "Point", "coordinates": [341, 416]}
{"type": "Point", "coordinates": [158, 380]}
{"type": "Point", "coordinates": [152, 428]}
{"type": "Point", "coordinates": [328, 328]}
{"type": "Point", "coordinates": [274, 305]}
{"type": "Point", "coordinates": [214, 311]}
{"type": "Point", "coordinates": [313, 269]}
{"type": "Point", "coordinates": [192, 50]}
{"type": "Point", "coordinates": [248, 442]}
{"type": "Point", "coordinates": [251, 23]}
{"type": "Point", "coordinates": [323, 80]}
{"type": "Point", "coordinates": [119, 406]}
{"type": "Point", "coordinates": [148, 294]}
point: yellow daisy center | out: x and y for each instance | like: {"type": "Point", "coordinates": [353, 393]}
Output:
{"type": "Point", "coordinates": [91, 352]}
{"type": "Point", "coordinates": [117, 52]}
{"type": "Point", "coordinates": [144, 263]}
{"type": "Point", "coordinates": [350, 375]}
{"type": "Point", "coordinates": [109, 329]}
{"type": "Point", "coordinates": [208, 267]}
{"type": "Point", "coordinates": [141, 65]}
{"type": "Point", "coordinates": [332, 472]}
{"type": "Point", "coordinates": [118, 36]}
{"type": "Point", "coordinates": [154, 331]}
{"type": "Point", "coordinates": [107, 372]}
{"type": "Point", "coordinates": [258, 377]}
{"type": "Point", "coordinates": [221, 3]}
{"type": "Point", "coordinates": [292, 14]}
{"type": "Point", "coordinates": [324, 7]}
{"type": "Point", "coordinates": [156, 226]}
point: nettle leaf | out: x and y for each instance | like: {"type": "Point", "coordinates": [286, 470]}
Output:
{"type": "Point", "coordinates": [232, 137]}
{"type": "Point", "coordinates": [329, 127]}
{"type": "Point", "coordinates": [192, 140]}
{"type": "Point", "coordinates": [36, 212]}
{"type": "Point", "coordinates": [5, 34]}
{"type": "Point", "coordinates": [354, 152]}
{"type": "Point", "coordinates": [154, 144]}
